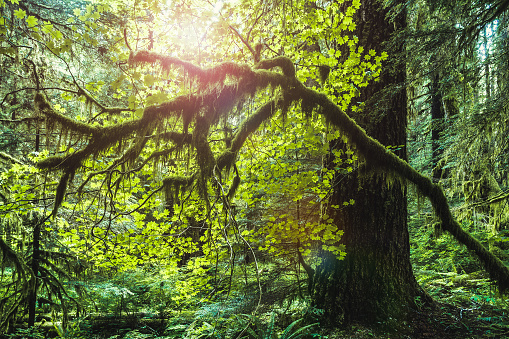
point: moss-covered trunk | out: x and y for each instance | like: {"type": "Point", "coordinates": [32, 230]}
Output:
{"type": "Point", "coordinates": [32, 297]}
{"type": "Point", "coordinates": [437, 126]}
{"type": "Point", "coordinates": [375, 281]}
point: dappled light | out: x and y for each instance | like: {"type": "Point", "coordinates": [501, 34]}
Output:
{"type": "Point", "coordinates": [253, 169]}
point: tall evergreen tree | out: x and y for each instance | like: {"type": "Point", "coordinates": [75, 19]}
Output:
{"type": "Point", "coordinates": [375, 280]}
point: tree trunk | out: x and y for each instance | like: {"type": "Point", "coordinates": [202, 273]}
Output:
{"type": "Point", "coordinates": [375, 281]}
{"type": "Point", "coordinates": [437, 126]}
{"type": "Point", "coordinates": [32, 297]}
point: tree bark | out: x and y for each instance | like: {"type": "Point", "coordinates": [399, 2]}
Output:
{"type": "Point", "coordinates": [437, 126]}
{"type": "Point", "coordinates": [375, 281]}
{"type": "Point", "coordinates": [32, 297]}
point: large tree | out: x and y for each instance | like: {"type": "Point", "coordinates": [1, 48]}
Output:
{"type": "Point", "coordinates": [375, 280]}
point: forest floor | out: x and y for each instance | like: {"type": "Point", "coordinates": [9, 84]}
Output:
{"type": "Point", "coordinates": [465, 306]}
{"type": "Point", "coordinates": [460, 310]}
{"type": "Point", "coordinates": [475, 319]}
{"type": "Point", "coordinates": [442, 321]}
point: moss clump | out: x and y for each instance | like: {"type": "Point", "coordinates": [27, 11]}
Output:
{"type": "Point", "coordinates": [52, 162]}
{"type": "Point", "coordinates": [60, 192]}
{"type": "Point", "coordinates": [286, 65]}
{"type": "Point", "coordinates": [173, 186]}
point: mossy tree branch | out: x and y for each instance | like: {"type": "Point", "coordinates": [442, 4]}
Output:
{"type": "Point", "coordinates": [208, 106]}
{"type": "Point", "coordinates": [205, 109]}
{"type": "Point", "coordinates": [7, 157]}
{"type": "Point", "coordinates": [377, 156]}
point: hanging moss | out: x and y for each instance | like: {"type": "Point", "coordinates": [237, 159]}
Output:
{"type": "Point", "coordinates": [226, 159]}
{"type": "Point", "coordinates": [307, 107]}
{"type": "Point", "coordinates": [251, 124]}
{"type": "Point", "coordinates": [187, 117]}
{"type": "Point", "coordinates": [43, 107]}
{"type": "Point", "coordinates": [204, 155]}
{"type": "Point", "coordinates": [181, 181]}
{"type": "Point", "coordinates": [60, 192]}
{"type": "Point", "coordinates": [219, 103]}
{"type": "Point", "coordinates": [323, 73]}
{"type": "Point", "coordinates": [377, 155]}
{"type": "Point", "coordinates": [217, 98]}
{"type": "Point", "coordinates": [173, 186]}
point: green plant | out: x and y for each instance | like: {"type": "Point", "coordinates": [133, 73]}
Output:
{"type": "Point", "coordinates": [205, 330]}
{"type": "Point", "coordinates": [74, 330]}
{"type": "Point", "coordinates": [27, 333]}
{"type": "Point", "coordinates": [269, 331]}
{"type": "Point", "coordinates": [299, 333]}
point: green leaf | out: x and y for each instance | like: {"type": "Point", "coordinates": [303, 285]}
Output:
{"type": "Point", "coordinates": [47, 27]}
{"type": "Point", "coordinates": [139, 112]}
{"type": "Point", "coordinates": [58, 35]}
{"type": "Point", "coordinates": [149, 80]}
{"type": "Point", "coordinates": [31, 21]}
{"type": "Point", "coordinates": [20, 14]}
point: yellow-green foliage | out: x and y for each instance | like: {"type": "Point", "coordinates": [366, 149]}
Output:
{"type": "Point", "coordinates": [164, 144]}
{"type": "Point", "coordinates": [284, 179]}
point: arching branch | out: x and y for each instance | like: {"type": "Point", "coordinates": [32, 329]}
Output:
{"type": "Point", "coordinates": [377, 156]}
{"type": "Point", "coordinates": [214, 103]}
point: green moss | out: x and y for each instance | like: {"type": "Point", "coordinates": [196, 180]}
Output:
{"type": "Point", "coordinates": [60, 192]}
{"type": "Point", "coordinates": [206, 109]}
{"type": "Point", "coordinates": [285, 63]}
{"type": "Point", "coordinates": [215, 74]}
{"type": "Point", "coordinates": [51, 162]}
{"type": "Point", "coordinates": [377, 156]}
{"type": "Point", "coordinates": [174, 185]}
{"type": "Point", "coordinates": [9, 158]}
{"type": "Point", "coordinates": [43, 107]}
